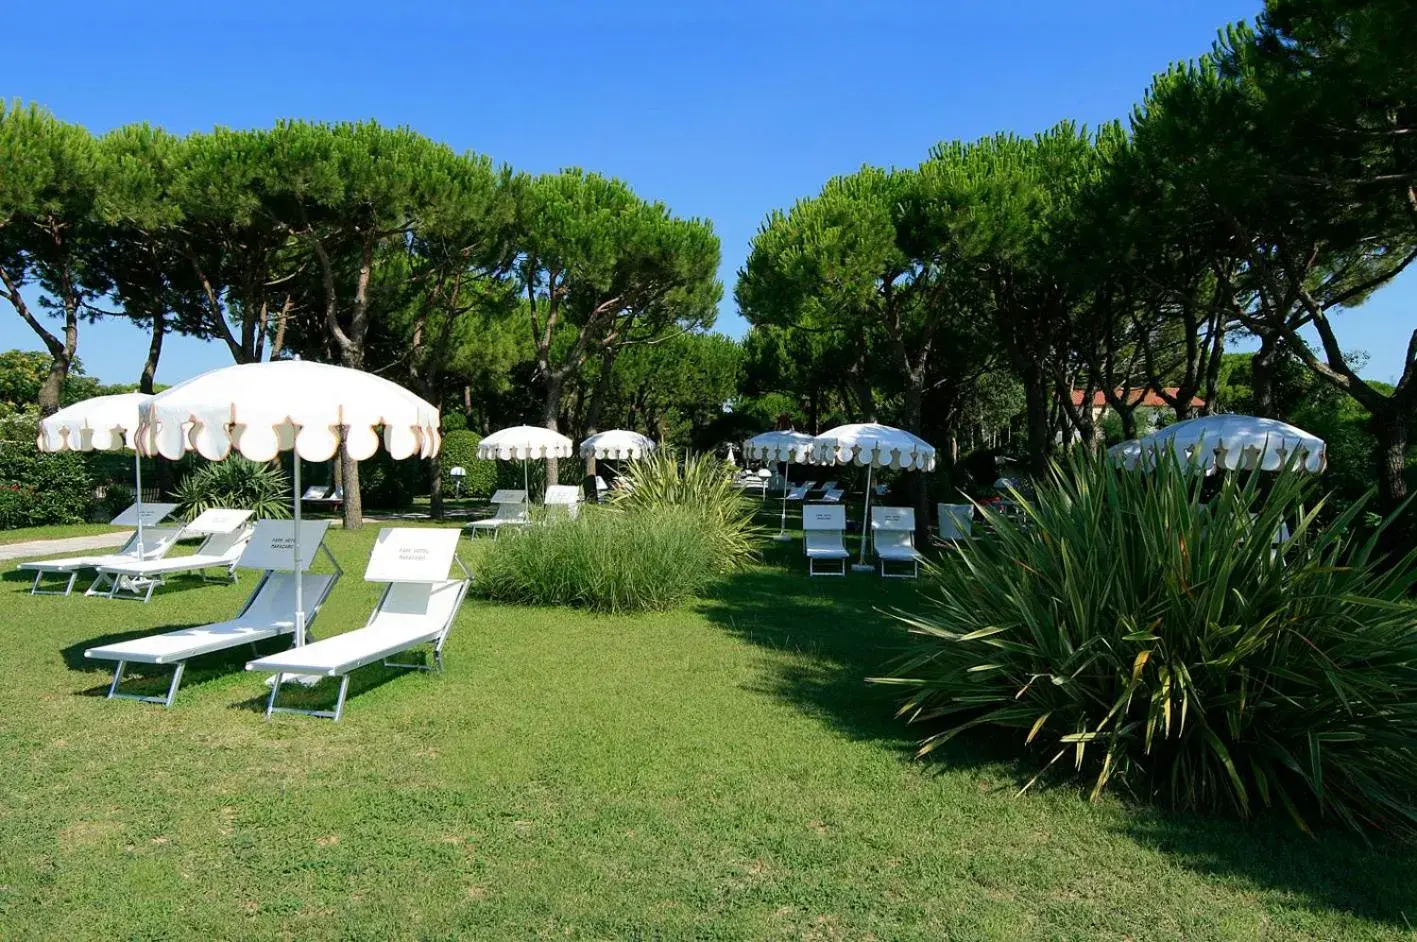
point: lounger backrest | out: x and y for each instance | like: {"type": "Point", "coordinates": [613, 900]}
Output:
{"type": "Point", "coordinates": [799, 492]}
{"type": "Point", "coordinates": [423, 607]}
{"type": "Point", "coordinates": [508, 496]}
{"type": "Point", "coordinates": [272, 544]}
{"type": "Point", "coordinates": [219, 520]}
{"type": "Point", "coordinates": [511, 512]}
{"type": "Point", "coordinates": [156, 542]}
{"type": "Point", "coordinates": [152, 514]}
{"type": "Point", "coordinates": [893, 527]}
{"type": "Point", "coordinates": [823, 526]}
{"type": "Point", "coordinates": [563, 498]}
{"type": "Point", "coordinates": [226, 545]}
{"type": "Point", "coordinates": [273, 602]}
{"type": "Point", "coordinates": [829, 485]}
{"type": "Point", "coordinates": [412, 554]}
{"type": "Point", "coordinates": [956, 520]}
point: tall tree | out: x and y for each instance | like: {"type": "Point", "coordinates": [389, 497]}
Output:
{"type": "Point", "coordinates": [48, 223]}
{"type": "Point", "coordinates": [598, 265]}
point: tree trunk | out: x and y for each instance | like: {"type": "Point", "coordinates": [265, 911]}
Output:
{"type": "Point", "coordinates": [1391, 430]}
{"type": "Point", "coordinates": [920, 481]}
{"type": "Point", "coordinates": [597, 401]}
{"type": "Point", "coordinates": [551, 419]}
{"type": "Point", "coordinates": [1262, 377]}
{"type": "Point", "coordinates": [50, 391]}
{"type": "Point", "coordinates": [435, 487]}
{"type": "Point", "coordinates": [1035, 395]}
{"type": "Point", "coordinates": [145, 381]}
{"type": "Point", "coordinates": [353, 502]}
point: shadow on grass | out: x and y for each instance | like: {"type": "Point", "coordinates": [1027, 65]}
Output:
{"type": "Point", "coordinates": [844, 633]}
{"type": "Point", "coordinates": [153, 679]}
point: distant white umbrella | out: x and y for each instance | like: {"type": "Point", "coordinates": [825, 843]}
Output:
{"type": "Point", "coordinates": [524, 443]}
{"type": "Point", "coordinates": [262, 409]}
{"type": "Point", "coordinates": [872, 446]}
{"type": "Point", "coordinates": [617, 443]}
{"type": "Point", "coordinates": [1230, 443]}
{"type": "Point", "coordinates": [102, 423]}
{"type": "Point", "coordinates": [780, 446]}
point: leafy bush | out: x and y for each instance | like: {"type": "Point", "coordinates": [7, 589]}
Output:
{"type": "Point", "coordinates": [236, 482]}
{"type": "Point", "coordinates": [460, 451]}
{"type": "Point", "coordinates": [38, 488]}
{"type": "Point", "coordinates": [387, 484]}
{"type": "Point", "coordinates": [116, 499]}
{"type": "Point", "coordinates": [1130, 634]}
{"type": "Point", "coordinates": [605, 560]}
{"type": "Point", "coordinates": [702, 485]}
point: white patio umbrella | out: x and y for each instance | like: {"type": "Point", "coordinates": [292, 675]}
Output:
{"type": "Point", "coordinates": [262, 409]}
{"type": "Point", "coordinates": [872, 446]}
{"type": "Point", "coordinates": [102, 423]}
{"type": "Point", "coordinates": [525, 442]}
{"type": "Point", "coordinates": [617, 443]}
{"type": "Point", "coordinates": [1229, 442]}
{"type": "Point", "coordinates": [784, 447]}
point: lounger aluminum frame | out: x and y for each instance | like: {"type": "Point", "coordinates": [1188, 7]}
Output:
{"type": "Point", "coordinates": [512, 511]}
{"type": "Point", "coordinates": [893, 540]}
{"type": "Point", "coordinates": [402, 602]}
{"type": "Point", "coordinates": [823, 535]}
{"type": "Point", "coordinates": [156, 543]}
{"type": "Point", "coordinates": [142, 577]}
{"type": "Point", "coordinates": [164, 648]}
{"type": "Point", "coordinates": [291, 662]}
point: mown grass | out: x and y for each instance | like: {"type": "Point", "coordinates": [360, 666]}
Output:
{"type": "Point", "coordinates": [57, 531]}
{"type": "Point", "coordinates": [718, 771]}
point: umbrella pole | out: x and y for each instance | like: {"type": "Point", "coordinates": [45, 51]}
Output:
{"type": "Point", "coordinates": [138, 475]}
{"type": "Point", "coordinates": [526, 481]}
{"type": "Point", "coordinates": [865, 523]}
{"type": "Point", "coordinates": [782, 524]}
{"type": "Point", "coordinates": [295, 549]}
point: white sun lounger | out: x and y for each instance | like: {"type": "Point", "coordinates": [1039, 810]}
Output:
{"type": "Point", "coordinates": [832, 495]}
{"type": "Point", "coordinates": [512, 511]}
{"type": "Point", "coordinates": [269, 613]}
{"type": "Point", "coordinates": [562, 499]}
{"type": "Point", "coordinates": [321, 494]}
{"type": "Point", "coordinates": [893, 540]}
{"type": "Point", "coordinates": [828, 485]}
{"type": "Point", "coordinates": [823, 529]}
{"type": "Point", "coordinates": [156, 542]}
{"type": "Point", "coordinates": [801, 491]}
{"type": "Point", "coordinates": [418, 607]}
{"type": "Point", "coordinates": [227, 533]}
{"type": "Point", "coordinates": [956, 521]}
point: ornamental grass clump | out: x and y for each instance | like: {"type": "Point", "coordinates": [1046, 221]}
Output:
{"type": "Point", "coordinates": [666, 541]}
{"type": "Point", "coordinates": [1130, 635]}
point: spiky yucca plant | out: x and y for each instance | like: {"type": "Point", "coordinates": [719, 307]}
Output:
{"type": "Point", "coordinates": [1133, 635]}
{"type": "Point", "coordinates": [702, 484]}
{"type": "Point", "coordinates": [237, 482]}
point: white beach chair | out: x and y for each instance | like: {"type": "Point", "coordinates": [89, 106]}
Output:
{"type": "Point", "coordinates": [156, 543]}
{"type": "Point", "coordinates": [823, 531]}
{"type": "Point", "coordinates": [226, 534]}
{"type": "Point", "coordinates": [321, 495]}
{"type": "Point", "coordinates": [801, 491]}
{"type": "Point", "coordinates": [832, 495]}
{"type": "Point", "coordinates": [417, 607]}
{"type": "Point", "coordinates": [893, 540]}
{"type": "Point", "coordinates": [268, 613]}
{"type": "Point", "coordinates": [562, 499]}
{"type": "Point", "coordinates": [829, 485]}
{"type": "Point", "coordinates": [956, 521]}
{"type": "Point", "coordinates": [511, 511]}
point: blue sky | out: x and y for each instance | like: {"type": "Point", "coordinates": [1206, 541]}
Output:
{"type": "Point", "coordinates": [721, 110]}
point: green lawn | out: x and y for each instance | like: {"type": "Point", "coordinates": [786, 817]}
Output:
{"type": "Point", "coordinates": [56, 531]}
{"type": "Point", "coordinates": [716, 772]}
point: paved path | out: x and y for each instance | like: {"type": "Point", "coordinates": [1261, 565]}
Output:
{"type": "Point", "coordinates": [74, 545]}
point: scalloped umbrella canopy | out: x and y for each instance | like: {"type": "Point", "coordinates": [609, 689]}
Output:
{"type": "Point", "coordinates": [262, 409]}
{"type": "Point", "coordinates": [617, 443]}
{"type": "Point", "coordinates": [523, 442]}
{"type": "Point", "coordinates": [103, 423]}
{"type": "Point", "coordinates": [874, 446]}
{"type": "Point", "coordinates": [778, 446]}
{"type": "Point", "coordinates": [1235, 443]}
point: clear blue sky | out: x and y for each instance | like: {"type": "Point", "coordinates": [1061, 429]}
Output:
{"type": "Point", "coordinates": [725, 110]}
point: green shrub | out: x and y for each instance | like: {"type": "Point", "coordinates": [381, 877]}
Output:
{"type": "Point", "coordinates": [41, 488]}
{"type": "Point", "coordinates": [238, 483]}
{"type": "Point", "coordinates": [386, 484]}
{"type": "Point", "coordinates": [460, 451]}
{"type": "Point", "coordinates": [702, 485]}
{"type": "Point", "coordinates": [1129, 634]}
{"type": "Point", "coordinates": [116, 499]}
{"type": "Point", "coordinates": [606, 560]}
